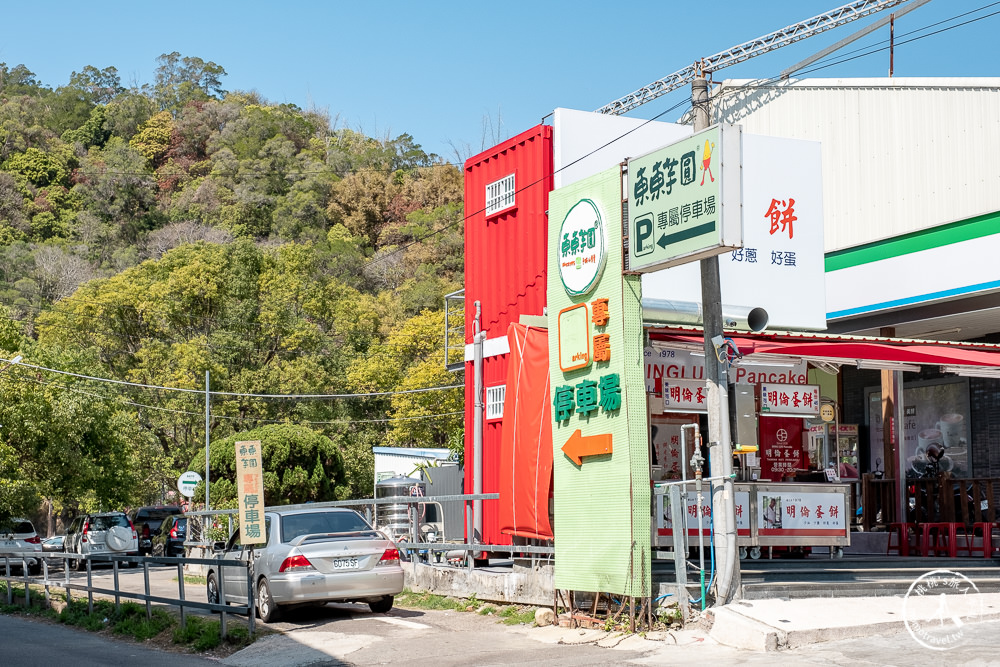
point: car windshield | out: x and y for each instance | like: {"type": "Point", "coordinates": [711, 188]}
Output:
{"type": "Point", "coordinates": [108, 522]}
{"type": "Point", "coordinates": [294, 525]}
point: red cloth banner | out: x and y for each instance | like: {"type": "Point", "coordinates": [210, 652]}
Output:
{"type": "Point", "coordinates": [526, 436]}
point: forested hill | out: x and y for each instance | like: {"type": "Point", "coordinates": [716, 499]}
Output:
{"type": "Point", "coordinates": [150, 234]}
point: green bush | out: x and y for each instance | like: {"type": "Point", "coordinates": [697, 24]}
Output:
{"type": "Point", "coordinates": [201, 634]}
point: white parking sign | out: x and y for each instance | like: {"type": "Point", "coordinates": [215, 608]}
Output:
{"type": "Point", "coordinates": [187, 482]}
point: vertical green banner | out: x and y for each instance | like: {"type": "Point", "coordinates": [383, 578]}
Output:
{"type": "Point", "coordinates": [599, 428]}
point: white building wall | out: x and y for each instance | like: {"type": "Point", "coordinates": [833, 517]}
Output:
{"type": "Point", "coordinates": [899, 155]}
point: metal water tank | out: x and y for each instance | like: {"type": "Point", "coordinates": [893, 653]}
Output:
{"type": "Point", "coordinates": [393, 517]}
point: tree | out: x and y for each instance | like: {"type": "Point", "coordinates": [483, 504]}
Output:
{"type": "Point", "coordinates": [180, 80]}
{"type": "Point", "coordinates": [153, 138]}
{"type": "Point", "coordinates": [300, 466]}
{"type": "Point", "coordinates": [96, 86]}
{"type": "Point", "coordinates": [115, 184]}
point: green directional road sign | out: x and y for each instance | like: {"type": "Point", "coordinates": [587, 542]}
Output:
{"type": "Point", "coordinates": [684, 200]}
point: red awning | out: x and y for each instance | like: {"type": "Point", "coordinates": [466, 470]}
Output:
{"type": "Point", "coordinates": [852, 349]}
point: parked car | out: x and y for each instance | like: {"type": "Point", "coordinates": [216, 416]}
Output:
{"type": "Point", "coordinates": [21, 543]}
{"type": "Point", "coordinates": [168, 540]}
{"type": "Point", "coordinates": [103, 533]}
{"type": "Point", "coordinates": [53, 544]}
{"type": "Point", "coordinates": [147, 521]}
{"type": "Point", "coordinates": [311, 556]}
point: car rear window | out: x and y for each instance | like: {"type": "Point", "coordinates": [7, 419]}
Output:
{"type": "Point", "coordinates": [16, 527]}
{"type": "Point", "coordinates": [108, 522]}
{"type": "Point", "coordinates": [294, 525]}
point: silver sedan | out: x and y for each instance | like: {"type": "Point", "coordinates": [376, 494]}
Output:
{"type": "Point", "coordinates": [311, 556]}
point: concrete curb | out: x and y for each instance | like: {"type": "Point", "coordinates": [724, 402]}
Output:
{"type": "Point", "coordinates": [735, 626]}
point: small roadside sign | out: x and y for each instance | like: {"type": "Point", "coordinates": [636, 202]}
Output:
{"type": "Point", "coordinates": [250, 492]}
{"type": "Point", "coordinates": [187, 483]}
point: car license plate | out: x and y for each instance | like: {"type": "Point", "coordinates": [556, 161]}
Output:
{"type": "Point", "coordinates": [345, 563]}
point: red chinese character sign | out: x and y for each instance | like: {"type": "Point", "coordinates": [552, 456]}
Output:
{"type": "Point", "coordinates": [685, 396]}
{"type": "Point", "coordinates": [794, 514]}
{"type": "Point", "coordinates": [250, 492]}
{"type": "Point", "coordinates": [790, 399]}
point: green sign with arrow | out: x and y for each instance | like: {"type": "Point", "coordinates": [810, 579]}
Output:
{"type": "Point", "coordinates": [684, 200]}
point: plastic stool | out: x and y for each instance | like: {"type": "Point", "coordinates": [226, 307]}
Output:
{"type": "Point", "coordinates": [985, 529]}
{"type": "Point", "coordinates": [902, 533]}
{"type": "Point", "coordinates": [945, 539]}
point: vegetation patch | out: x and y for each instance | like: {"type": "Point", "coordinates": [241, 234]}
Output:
{"type": "Point", "coordinates": [508, 614]}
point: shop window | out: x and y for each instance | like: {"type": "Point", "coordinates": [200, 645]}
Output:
{"type": "Point", "coordinates": [500, 195]}
{"type": "Point", "coordinates": [494, 401]}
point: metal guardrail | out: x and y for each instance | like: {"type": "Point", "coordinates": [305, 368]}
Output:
{"type": "Point", "coordinates": [145, 561]}
{"type": "Point", "coordinates": [197, 528]}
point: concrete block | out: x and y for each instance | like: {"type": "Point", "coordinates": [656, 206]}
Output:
{"type": "Point", "coordinates": [736, 630]}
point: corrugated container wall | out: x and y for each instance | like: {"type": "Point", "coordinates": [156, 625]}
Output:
{"type": "Point", "coordinates": [909, 153]}
{"type": "Point", "coordinates": [505, 270]}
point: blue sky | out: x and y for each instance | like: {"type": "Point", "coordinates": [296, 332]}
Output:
{"type": "Point", "coordinates": [459, 76]}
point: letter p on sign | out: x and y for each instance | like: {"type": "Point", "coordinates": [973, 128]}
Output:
{"type": "Point", "coordinates": [643, 235]}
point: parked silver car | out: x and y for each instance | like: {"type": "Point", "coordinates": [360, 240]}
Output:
{"type": "Point", "coordinates": [312, 556]}
{"type": "Point", "coordinates": [103, 533]}
{"type": "Point", "coordinates": [20, 542]}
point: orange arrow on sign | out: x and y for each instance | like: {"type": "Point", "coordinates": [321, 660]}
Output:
{"type": "Point", "coordinates": [580, 445]}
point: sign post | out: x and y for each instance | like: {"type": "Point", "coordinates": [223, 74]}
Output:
{"type": "Point", "coordinates": [250, 492]}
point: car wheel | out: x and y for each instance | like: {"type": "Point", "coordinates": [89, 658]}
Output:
{"type": "Point", "coordinates": [266, 607]}
{"type": "Point", "coordinates": [79, 563]}
{"type": "Point", "coordinates": [35, 570]}
{"type": "Point", "coordinates": [212, 589]}
{"type": "Point", "coordinates": [381, 605]}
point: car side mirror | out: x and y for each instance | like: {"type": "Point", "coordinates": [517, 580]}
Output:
{"type": "Point", "coordinates": [219, 547]}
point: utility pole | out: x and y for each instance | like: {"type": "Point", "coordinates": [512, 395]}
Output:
{"type": "Point", "coordinates": [717, 379]}
{"type": "Point", "coordinates": [207, 395]}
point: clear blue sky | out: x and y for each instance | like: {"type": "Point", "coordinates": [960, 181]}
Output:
{"type": "Point", "coordinates": [459, 76]}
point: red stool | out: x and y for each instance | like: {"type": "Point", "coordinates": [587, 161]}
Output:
{"type": "Point", "coordinates": [985, 530]}
{"type": "Point", "coordinates": [902, 533]}
{"type": "Point", "coordinates": [944, 536]}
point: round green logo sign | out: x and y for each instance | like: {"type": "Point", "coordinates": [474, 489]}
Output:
{"type": "Point", "coordinates": [583, 248]}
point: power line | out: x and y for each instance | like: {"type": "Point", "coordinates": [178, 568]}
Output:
{"type": "Point", "coordinates": [231, 418]}
{"type": "Point", "coordinates": [227, 393]}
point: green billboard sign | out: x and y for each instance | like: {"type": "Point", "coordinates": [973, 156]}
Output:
{"type": "Point", "coordinates": [684, 200]}
{"type": "Point", "coordinates": [598, 393]}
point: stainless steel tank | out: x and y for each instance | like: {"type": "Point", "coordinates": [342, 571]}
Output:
{"type": "Point", "coordinates": [394, 517]}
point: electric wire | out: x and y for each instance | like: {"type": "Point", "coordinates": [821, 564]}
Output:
{"type": "Point", "coordinates": [228, 393]}
{"type": "Point", "coordinates": [232, 418]}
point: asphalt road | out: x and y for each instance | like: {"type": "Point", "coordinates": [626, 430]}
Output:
{"type": "Point", "coordinates": [349, 634]}
{"type": "Point", "coordinates": [28, 643]}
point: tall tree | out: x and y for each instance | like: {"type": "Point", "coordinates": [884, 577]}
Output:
{"type": "Point", "coordinates": [180, 80]}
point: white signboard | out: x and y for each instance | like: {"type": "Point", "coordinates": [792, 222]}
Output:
{"type": "Point", "coordinates": [789, 399]}
{"type": "Point", "coordinates": [685, 396]}
{"type": "Point", "coordinates": [664, 364]}
{"type": "Point", "coordinates": [187, 483]}
{"type": "Point", "coordinates": [781, 265]}
{"type": "Point", "coordinates": [794, 514]}
{"type": "Point", "coordinates": [664, 526]}
{"type": "Point", "coordinates": [585, 143]}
